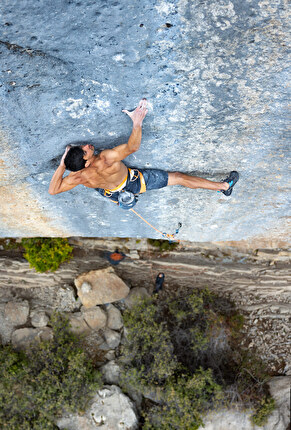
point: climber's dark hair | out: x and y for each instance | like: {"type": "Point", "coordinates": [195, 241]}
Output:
{"type": "Point", "coordinates": [74, 159]}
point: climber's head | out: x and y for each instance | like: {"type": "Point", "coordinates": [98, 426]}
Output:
{"type": "Point", "coordinates": [79, 157]}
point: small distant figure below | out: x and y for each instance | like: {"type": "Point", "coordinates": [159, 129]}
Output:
{"type": "Point", "coordinates": [115, 257]}
{"type": "Point", "coordinates": [159, 283]}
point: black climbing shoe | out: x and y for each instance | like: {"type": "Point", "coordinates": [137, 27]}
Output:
{"type": "Point", "coordinates": [159, 283]}
{"type": "Point", "coordinates": [231, 180]}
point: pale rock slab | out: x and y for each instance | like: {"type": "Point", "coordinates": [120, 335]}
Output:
{"type": "Point", "coordinates": [95, 317]}
{"type": "Point", "coordinates": [100, 287]}
{"type": "Point", "coordinates": [17, 312]}
{"type": "Point", "coordinates": [115, 320]}
{"type": "Point", "coordinates": [135, 295]}
{"type": "Point", "coordinates": [109, 410]}
{"type": "Point", "coordinates": [24, 338]}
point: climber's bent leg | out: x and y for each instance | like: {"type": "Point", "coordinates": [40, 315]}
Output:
{"type": "Point", "coordinates": [177, 178]}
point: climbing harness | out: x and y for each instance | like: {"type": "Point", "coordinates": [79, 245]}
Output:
{"type": "Point", "coordinates": [127, 199]}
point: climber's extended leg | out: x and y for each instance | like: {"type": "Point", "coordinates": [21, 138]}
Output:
{"type": "Point", "coordinates": [177, 178]}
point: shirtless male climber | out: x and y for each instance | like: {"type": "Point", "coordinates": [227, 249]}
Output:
{"type": "Point", "coordinates": [107, 174]}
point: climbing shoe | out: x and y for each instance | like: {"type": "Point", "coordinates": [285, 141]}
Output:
{"type": "Point", "coordinates": [231, 180]}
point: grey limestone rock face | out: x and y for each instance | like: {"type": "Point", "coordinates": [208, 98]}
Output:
{"type": "Point", "coordinates": [216, 76]}
{"type": "Point", "coordinates": [101, 287]}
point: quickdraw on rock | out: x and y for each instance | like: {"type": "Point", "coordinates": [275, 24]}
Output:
{"type": "Point", "coordinates": [169, 237]}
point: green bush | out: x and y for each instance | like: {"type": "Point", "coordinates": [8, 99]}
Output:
{"type": "Point", "coordinates": [184, 353]}
{"type": "Point", "coordinates": [36, 388]}
{"type": "Point", "coordinates": [162, 245]}
{"type": "Point", "coordinates": [46, 254]}
{"type": "Point", "coordinates": [184, 400]}
{"type": "Point", "coordinates": [165, 344]}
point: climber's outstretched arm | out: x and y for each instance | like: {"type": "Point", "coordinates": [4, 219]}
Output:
{"type": "Point", "coordinates": [122, 151]}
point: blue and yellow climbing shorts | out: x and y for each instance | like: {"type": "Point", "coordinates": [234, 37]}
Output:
{"type": "Point", "coordinates": [138, 181]}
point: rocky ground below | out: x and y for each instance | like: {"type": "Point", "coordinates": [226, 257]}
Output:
{"type": "Point", "coordinates": [257, 281]}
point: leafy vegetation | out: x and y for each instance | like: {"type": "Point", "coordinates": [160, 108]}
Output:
{"type": "Point", "coordinates": [183, 353]}
{"type": "Point", "coordinates": [46, 254]}
{"type": "Point", "coordinates": [163, 245]}
{"type": "Point", "coordinates": [36, 388]}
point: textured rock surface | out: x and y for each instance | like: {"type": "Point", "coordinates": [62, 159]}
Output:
{"type": "Point", "coordinates": [135, 295]}
{"type": "Point", "coordinates": [111, 372]}
{"type": "Point", "coordinates": [215, 73]}
{"type": "Point", "coordinates": [234, 419]}
{"type": "Point", "coordinates": [78, 324]}
{"type": "Point", "coordinates": [112, 338]}
{"type": "Point", "coordinates": [259, 285]}
{"type": "Point", "coordinates": [280, 391]}
{"type": "Point", "coordinates": [38, 318]}
{"type": "Point", "coordinates": [95, 317]}
{"type": "Point", "coordinates": [110, 410]}
{"type": "Point", "coordinates": [99, 287]}
{"type": "Point", "coordinates": [17, 312]}
{"type": "Point", "coordinates": [115, 320]}
{"type": "Point", "coordinates": [23, 338]}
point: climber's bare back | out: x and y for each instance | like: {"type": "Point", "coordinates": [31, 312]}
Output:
{"type": "Point", "coordinates": [100, 173]}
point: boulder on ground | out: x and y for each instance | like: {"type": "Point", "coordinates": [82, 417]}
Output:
{"type": "Point", "coordinates": [78, 324]}
{"type": "Point", "coordinates": [38, 318]}
{"type": "Point", "coordinates": [135, 294]}
{"type": "Point", "coordinates": [24, 338]}
{"type": "Point", "coordinates": [112, 338]}
{"type": "Point", "coordinates": [111, 372]}
{"type": "Point", "coordinates": [95, 317]}
{"type": "Point", "coordinates": [99, 287]}
{"type": "Point", "coordinates": [17, 312]}
{"type": "Point", "coordinates": [110, 355]}
{"type": "Point", "coordinates": [110, 409]}
{"type": "Point", "coordinates": [115, 321]}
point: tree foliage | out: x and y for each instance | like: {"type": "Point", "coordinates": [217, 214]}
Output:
{"type": "Point", "coordinates": [182, 352]}
{"type": "Point", "coordinates": [36, 387]}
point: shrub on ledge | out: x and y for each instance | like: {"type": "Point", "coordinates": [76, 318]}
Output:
{"type": "Point", "coordinates": [46, 254]}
